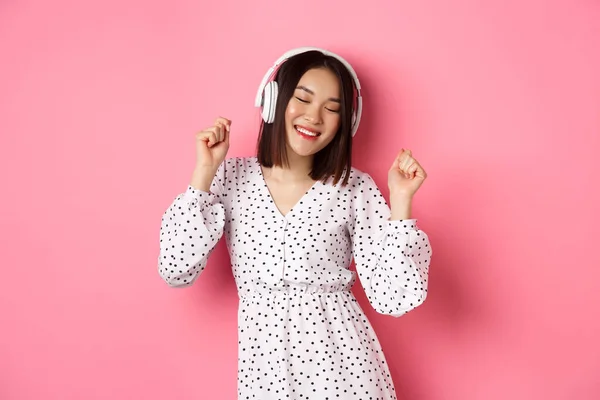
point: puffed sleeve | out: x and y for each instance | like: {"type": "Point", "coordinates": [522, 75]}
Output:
{"type": "Point", "coordinates": [190, 229]}
{"type": "Point", "coordinates": [392, 257]}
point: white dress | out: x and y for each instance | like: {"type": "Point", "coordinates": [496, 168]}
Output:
{"type": "Point", "coordinates": [302, 334]}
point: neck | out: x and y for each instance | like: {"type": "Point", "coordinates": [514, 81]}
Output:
{"type": "Point", "coordinates": [298, 170]}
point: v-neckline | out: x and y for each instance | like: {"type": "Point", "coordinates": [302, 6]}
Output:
{"type": "Point", "coordinates": [272, 200]}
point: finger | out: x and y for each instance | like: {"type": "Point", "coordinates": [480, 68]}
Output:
{"type": "Point", "coordinates": [209, 136]}
{"type": "Point", "coordinates": [397, 160]}
{"type": "Point", "coordinates": [224, 121]}
{"type": "Point", "coordinates": [403, 155]}
{"type": "Point", "coordinates": [419, 171]}
{"type": "Point", "coordinates": [212, 139]}
{"type": "Point", "coordinates": [226, 138]}
{"type": "Point", "coordinates": [406, 162]}
{"type": "Point", "coordinates": [219, 132]}
{"type": "Point", "coordinates": [219, 129]}
{"type": "Point", "coordinates": [203, 135]}
{"type": "Point", "coordinates": [213, 129]}
{"type": "Point", "coordinates": [223, 132]}
{"type": "Point", "coordinates": [402, 169]}
{"type": "Point", "coordinates": [412, 169]}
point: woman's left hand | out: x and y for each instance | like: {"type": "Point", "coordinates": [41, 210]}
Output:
{"type": "Point", "coordinates": [406, 175]}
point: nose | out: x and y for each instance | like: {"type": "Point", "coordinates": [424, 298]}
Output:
{"type": "Point", "coordinates": [313, 115]}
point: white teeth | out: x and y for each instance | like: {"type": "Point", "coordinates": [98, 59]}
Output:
{"type": "Point", "coordinates": [304, 131]}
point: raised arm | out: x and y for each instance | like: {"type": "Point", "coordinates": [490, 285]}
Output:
{"type": "Point", "coordinates": [193, 224]}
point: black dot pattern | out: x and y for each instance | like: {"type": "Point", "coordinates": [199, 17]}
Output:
{"type": "Point", "coordinates": [302, 334]}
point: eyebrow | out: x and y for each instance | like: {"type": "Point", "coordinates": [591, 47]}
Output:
{"type": "Point", "coordinates": [334, 99]}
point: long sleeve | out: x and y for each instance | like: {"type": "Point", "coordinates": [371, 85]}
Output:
{"type": "Point", "coordinates": [190, 229]}
{"type": "Point", "coordinates": [392, 257]}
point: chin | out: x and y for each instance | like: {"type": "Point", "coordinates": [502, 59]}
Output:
{"type": "Point", "coordinates": [303, 153]}
{"type": "Point", "coordinates": [305, 149]}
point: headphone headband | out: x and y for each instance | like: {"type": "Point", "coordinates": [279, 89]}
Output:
{"type": "Point", "coordinates": [268, 100]}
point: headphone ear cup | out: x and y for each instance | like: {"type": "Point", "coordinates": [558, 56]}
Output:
{"type": "Point", "coordinates": [353, 127]}
{"type": "Point", "coordinates": [269, 102]}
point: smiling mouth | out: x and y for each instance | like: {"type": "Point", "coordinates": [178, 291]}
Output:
{"type": "Point", "coordinates": [307, 133]}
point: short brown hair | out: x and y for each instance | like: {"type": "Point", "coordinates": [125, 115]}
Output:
{"type": "Point", "coordinates": [335, 160]}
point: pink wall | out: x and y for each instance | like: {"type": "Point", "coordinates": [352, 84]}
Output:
{"type": "Point", "coordinates": [98, 107]}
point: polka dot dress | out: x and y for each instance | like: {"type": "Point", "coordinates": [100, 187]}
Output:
{"type": "Point", "coordinates": [302, 334]}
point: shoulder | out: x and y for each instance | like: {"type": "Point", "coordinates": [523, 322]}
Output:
{"type": "Point", "coordinates": [360, 185]}
{"type": "Point", "coordinates": [362, 189]}
{"type": "Point", "coordinates": [237, 170]}
{"type": "Point", "coordinates": [359, 180]}
{"type": "Point", "coordinates": [233, 172]}
{"type": "Point", "coordinates": [237, 165]}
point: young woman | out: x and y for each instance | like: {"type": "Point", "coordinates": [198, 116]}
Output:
{"type": "Point", "coordinates": [294, 217]}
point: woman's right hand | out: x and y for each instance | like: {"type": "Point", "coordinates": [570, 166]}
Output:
{"type": "Point", "coordinates": [212, 144]}
{"type": "Point", "coordinates": [211, 148]}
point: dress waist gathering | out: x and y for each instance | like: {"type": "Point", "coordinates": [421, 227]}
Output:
{"type": "Point", "coordinates": [293, 289]}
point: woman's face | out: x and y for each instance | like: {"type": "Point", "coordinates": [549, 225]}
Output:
{"type": "Point", "coordinates": [312, 117]}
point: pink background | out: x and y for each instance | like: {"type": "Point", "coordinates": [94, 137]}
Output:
{"type": "Point", "coordinates": [98, 109]}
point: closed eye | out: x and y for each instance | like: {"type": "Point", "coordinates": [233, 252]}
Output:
{"type": "Point", "coordinates": [306, 102]}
